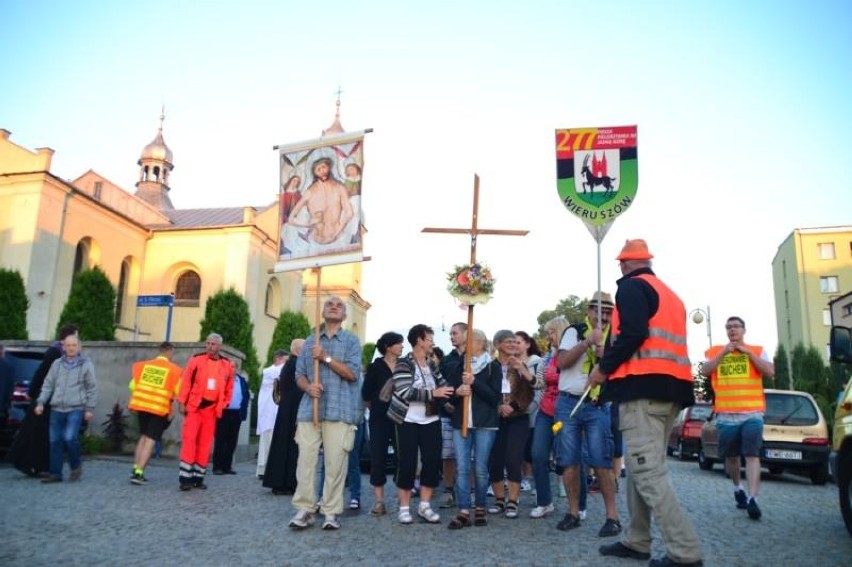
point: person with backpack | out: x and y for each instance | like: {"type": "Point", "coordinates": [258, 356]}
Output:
{"type": "Point", "coordinates": [579, 350]}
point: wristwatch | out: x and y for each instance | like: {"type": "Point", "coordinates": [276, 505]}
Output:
{"type": "Point", "coordinates": [327, 360]}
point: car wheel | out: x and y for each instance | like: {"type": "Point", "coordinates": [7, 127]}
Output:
{"type": "Point", "coordinates": [680, 453]}
{"type": "Point", "coordinates": [704, 463]}
{"type": "Point", "coordinates": [819, 474]}
{"type": "Point", "coordinates": [844, 487]}
{"type": "Point", "coordinates": [669, 450]}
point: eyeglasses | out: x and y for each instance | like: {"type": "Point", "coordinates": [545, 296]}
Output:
{"type": "Point", "coordinates": [733, 326]}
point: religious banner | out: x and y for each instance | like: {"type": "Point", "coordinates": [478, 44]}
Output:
{"type": "Point", "coordinates": [597, 174]}
{"type": "Point", "coordinates": [320, 202]}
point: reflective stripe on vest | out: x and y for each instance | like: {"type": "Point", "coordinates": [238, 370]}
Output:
{"type": "Point", "coordinates": [155, 382]}
{"type": "Point", "coordinates": [664, 351]}
{"type": "Point", "coordinates": [737, 384]}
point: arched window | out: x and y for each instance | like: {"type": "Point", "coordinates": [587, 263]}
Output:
{"type": "Point", "coordinates": [157, 173]}
{"type": "Point", "coordinates": [188, 289]}
{"type": "Point", "coordinates": [81, 258]}
{"type": "Point", "coordinates": [272, 304]}
{"type": "Point", "coordinates": [120, 297]}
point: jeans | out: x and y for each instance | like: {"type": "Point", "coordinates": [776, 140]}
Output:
{"type": "Point", "coordinates": [591, 422]}
{"type": "Point", "coordinates": [542, 446]}
{"type": "Point", "coordinates": [65, 434]}
{"type": "Point", "coordinates": [480, 441]}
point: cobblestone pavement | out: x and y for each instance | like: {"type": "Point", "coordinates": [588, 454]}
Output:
{"type": "Point", "coordinates": [104, 520]}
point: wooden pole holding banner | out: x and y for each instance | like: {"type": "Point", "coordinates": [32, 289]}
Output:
{"type": "Point", "coordinates": [317, 316]}
{"type": "Point", "coordinates": [474, 231]}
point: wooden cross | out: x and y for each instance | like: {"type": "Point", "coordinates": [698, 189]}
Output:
{"type": "Point", "coordinates": [474, 231]}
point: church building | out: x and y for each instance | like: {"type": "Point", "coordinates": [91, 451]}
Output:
{"type": "Point", "coordinates": [52, 228]}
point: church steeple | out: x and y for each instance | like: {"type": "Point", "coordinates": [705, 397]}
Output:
{"type": "Point", "coordinates": [155, 165]}
{"type": "Point", "coordinates": [336, 127]}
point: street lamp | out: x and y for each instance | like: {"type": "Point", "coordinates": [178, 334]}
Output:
{"type": "Point", "coordinates": [699, 316]}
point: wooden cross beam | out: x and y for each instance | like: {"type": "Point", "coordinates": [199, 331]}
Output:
{"type": "Point", "coordinates": [474, 231]}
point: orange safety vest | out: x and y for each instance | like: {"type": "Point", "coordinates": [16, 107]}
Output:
{"type": "Point", "coordinates": [154, 384]}
{"type": "Point", "coordinates": [737, 384]}
{"type": "Point", "coordinates": [664, 351]}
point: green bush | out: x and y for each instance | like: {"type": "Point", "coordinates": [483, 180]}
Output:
{"type": "Point", "coordinates": [290, 326]}
{"type": "Point", "coordinates": [227, 313]}
{"type": "Point", "coordinates": [93, 444]}
{"type": "Point", "coordinates": [13, 305]}
{"type": "Point", "coordinates": [91, 306]}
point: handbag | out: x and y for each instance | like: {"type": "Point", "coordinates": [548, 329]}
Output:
{"type": "Point", "coordinates": [386, 392]}
{"type": "Point", "coordinates": [276, 392]}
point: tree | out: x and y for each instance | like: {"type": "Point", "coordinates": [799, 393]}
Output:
{"type": "Point", "coordinates": [812, 375]}
{"type": "Point", "coordinates": [90, 306]}
{"type": "Point", "coordinates": [290, 326]}
{"type": "Point", "coordinates": [13, 305]}
{"type": "Point", "coordinates": [227, 313]}
{"type": "Point", "coordinates": [367, 353]}
{"type": "Point", "coordinates": [782, 369]}
{"type": "Point", "coordinates": [572, 308]}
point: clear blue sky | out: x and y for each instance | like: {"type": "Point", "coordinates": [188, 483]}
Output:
{"type": "Point", "coordinates": [742, 107]}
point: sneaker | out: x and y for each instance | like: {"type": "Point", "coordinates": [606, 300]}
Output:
{"type": "Point", "coordinates": [427, 514]}
{"type": "Point", "coordinates": [569, 522]}
{"type": "Point", "coordinates": [448, 500]}
{"type": "Point", "coordinates": [741, 498]}
{"type": "Point", "coordinates": [378, 509]}
{"type": "Point", "coordinates": [355, 504]}
{"type": "Point", "coordinates": [331, 522]}
{"type": "Point", "coordinates": [582, 514]}
{"type": "Point", "coordinates": [541, 511]}
{"type": "Point", "coordinates": [610, 528]}
{"type": "Point", "coordinates": [753, 509]}
{"type": "Point", "coordinates": [76, 473]}
{"type": "Point", "coordinates": [525, 485]}
{"type": "Point", "coordinates": [404, 517]}
{"type": "Point", "coordinates": [302, 520]}
{"type": "Point", "coordinates": [618, 549]}
{"type": "Point", "coordinates": [138, 479]}
{"type": "Point", "coordinates": [185, 487]}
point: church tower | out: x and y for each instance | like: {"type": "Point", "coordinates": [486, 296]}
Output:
{"type": "Point", "coordinates": [155, 165]}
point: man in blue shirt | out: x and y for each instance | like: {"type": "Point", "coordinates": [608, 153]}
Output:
{"type": "Point", "coordinates": [338, 353]}
{"type": "Point", "coordinates": [228, 426]}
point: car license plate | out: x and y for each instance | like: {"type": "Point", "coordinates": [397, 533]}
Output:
{"type": "Point", "coordinates": [779, 454]}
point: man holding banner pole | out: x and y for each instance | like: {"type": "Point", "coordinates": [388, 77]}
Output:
{"type": "Point", "coordinates": [648, 372]}
{"type": "Point", "coordinates": [338, 399]}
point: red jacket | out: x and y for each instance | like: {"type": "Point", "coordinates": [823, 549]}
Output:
{"type": "Point", "coordinates": [207, 381]}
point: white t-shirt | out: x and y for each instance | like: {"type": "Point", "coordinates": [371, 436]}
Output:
{"type": "Point", "coordinates": [572, 379]}
{"type": "Point", "coordinates": [423, 380]}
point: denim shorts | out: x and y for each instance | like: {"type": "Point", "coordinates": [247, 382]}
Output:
{"type": "Point", "coordinates": [591, 421]}
{"type": "Point", "coordinates": [744, 438]}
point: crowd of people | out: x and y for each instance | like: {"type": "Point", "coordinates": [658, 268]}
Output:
{"type": "Point", "coordinates": [603, 395]}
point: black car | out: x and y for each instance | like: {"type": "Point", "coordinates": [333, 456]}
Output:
{"type": "Point", "coordinates": [24, 364]}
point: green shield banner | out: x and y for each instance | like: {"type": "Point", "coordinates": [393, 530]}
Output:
{"type": "Point", "coordinates": [597, 174]}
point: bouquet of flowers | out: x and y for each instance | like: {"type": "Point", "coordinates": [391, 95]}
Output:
{"type": "Point", "coordinates": [471, 283]}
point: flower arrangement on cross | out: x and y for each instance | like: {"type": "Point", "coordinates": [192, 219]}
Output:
{"type": "Point", "coordinates": [471, 284]}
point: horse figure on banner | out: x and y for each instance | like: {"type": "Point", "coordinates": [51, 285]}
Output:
{"type": "Point", "coordinates": [592, 180]}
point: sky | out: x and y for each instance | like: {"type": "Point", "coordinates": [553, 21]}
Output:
{"type": "Point", "coordinates": [742, 111]}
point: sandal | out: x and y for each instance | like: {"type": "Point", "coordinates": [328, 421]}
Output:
{"type": "Point", "coordinates": [512, 510]}
{"type": "Point", "coordinates": [497, 508]}
{"type": "Point", "coordinates": [462, 520]}
{"type": "Point", "coordinates": [479, 517]}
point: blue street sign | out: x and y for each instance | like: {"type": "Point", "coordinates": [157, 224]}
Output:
{"type": "Point", "coordinates": [155, 300]}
